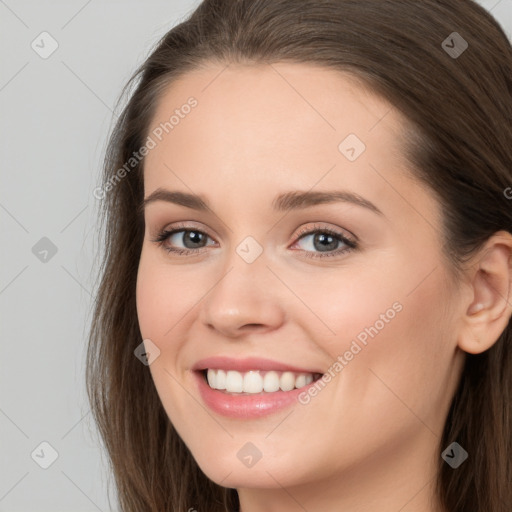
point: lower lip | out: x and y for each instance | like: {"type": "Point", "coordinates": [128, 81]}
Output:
{"type": "Point", "coordinates": [246, 406]}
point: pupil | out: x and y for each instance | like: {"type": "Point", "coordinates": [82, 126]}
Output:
{"type": "Point", "coordinates": [193, 236]}
{"type": "Point", "coordinates": [331, 244]}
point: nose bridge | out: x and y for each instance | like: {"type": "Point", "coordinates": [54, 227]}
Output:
{"type": "Point", "coordinates": [244, 293]}
{"type": "Point", "coordinates": [246, 276]}
{"type": "Point", "coordinates": [245, 262]}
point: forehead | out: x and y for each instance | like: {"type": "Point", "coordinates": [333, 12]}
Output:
{"type": "Point", "coordinates": [269, 104]}
{"type": "Point", "coordinates": [257, 128]}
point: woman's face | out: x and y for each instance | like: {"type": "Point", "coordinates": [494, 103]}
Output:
{"type": "Point", "coordinates": [267, 275]}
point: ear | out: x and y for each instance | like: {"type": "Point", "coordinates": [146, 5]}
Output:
{"type": "Point", "coordinates": [489, 309]}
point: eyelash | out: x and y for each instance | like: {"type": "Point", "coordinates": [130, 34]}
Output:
{"type": "Point", "coordinates": [350, 244]}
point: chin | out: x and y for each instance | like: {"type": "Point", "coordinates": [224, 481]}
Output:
{"type": "Point", "coordinates": [232, 473]}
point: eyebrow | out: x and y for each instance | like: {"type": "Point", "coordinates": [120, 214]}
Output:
{"type": "Point", "coordinates": [293, 200]}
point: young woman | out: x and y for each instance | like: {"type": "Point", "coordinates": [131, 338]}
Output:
{"type": "Point", "coordinates": [305, 295]}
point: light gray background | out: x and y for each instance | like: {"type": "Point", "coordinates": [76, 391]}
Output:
{"type": "Point", "coordinates": [56, 114]}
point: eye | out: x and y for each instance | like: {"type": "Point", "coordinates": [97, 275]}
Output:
{"type": "Point", "coordinates": [193, 239]}
{"type": "Point", "coordinates": [321, 239]}
{"type": "Point", "coordinates": [326, 241]}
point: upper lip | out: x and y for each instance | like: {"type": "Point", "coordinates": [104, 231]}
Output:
{"type": "Point", "coordinates": [250, 363]}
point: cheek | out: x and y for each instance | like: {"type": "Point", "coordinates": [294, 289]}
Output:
{"type": "Point", "coordinates": [398, 331]}
{"type": "Point", "coordinates": [161, 309]}
{"type": "Point", "coordinates": [165, 294]}
{"type": "Point", "coordinates": [151, 301]}
{"type": "Point", "coordinates": [347, 306]}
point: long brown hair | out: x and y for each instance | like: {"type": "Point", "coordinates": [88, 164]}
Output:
{"type": "Point", "coordinates": [460, 145]}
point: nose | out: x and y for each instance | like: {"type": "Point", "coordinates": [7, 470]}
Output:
{"type": "Point", "coordinates": [245, 298]}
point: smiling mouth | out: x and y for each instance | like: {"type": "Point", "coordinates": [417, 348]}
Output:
{"type": "Point", "coordinates": [256, 381]}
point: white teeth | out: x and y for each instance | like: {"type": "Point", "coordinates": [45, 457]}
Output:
{"type": "Point", "coordinates": [220, 379]}
{"type": "Point", "coordinates": [255, 381]}
{"type": "Point", "coordinates": [287, 382]}
{"type": "Point", "coordinates": [271, 382]}
{"type": "Point", "coordinates": [301, 381]}
{"type": "Point", "coordinates": [234, 381]}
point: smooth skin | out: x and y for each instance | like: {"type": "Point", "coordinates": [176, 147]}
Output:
{"type": "Point", "coordinates": [369, 440]}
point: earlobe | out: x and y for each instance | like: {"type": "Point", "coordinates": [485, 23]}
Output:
{"type": "Point", "coordinates": [488, 314]}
